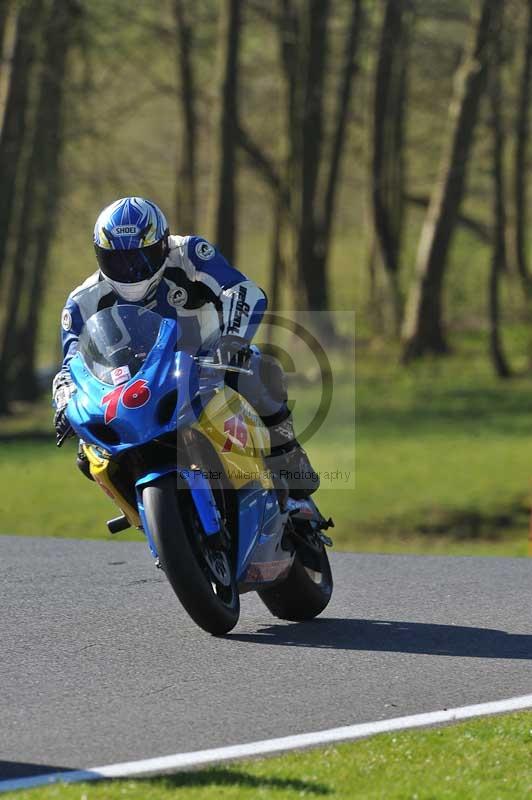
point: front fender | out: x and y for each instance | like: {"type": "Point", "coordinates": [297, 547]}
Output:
{"type": "Point", "coordinates": [200, 491]}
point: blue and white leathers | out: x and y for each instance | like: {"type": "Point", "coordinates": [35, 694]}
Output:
{"type": "Point", "coordinates": [208, 296]}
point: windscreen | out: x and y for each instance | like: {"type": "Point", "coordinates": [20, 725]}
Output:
{"type": "Point", "coordinates": [115, 342]}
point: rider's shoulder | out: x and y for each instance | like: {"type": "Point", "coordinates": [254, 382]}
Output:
{"type": "Point", "coordinates": [87, 286]}
{"type": "Point", "coordinates": [196, 249]}
{"type": "Point", "coordinates": [177, 245]}
{"type": "Point", "coordinates": [86, 298]}
{"type": "Point", "coordinates": [201, 251]}
{"type": "Point", "coordinates": [191, 253]}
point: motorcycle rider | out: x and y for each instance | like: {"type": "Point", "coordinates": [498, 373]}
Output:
{"type": "Point", "coordinates": [217, 306]}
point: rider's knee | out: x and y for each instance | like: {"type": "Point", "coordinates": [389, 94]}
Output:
{"type": "Point", "coordinates": [273, 377]}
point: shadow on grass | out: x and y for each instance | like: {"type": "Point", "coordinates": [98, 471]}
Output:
{"type": "Point", "coordinates": [467, 409]}
{"type": "Point", "coordinates": [394, 637]}
{"type": "Point", "coordinates": [220, 776]}
{"type": "Point", "coordinates": [217, 776]}
{"type": "Point", "coordinates": [457, 524]}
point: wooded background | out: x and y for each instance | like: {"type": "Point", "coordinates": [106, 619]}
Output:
{"type": "Point", "coordinates": [366, 154]}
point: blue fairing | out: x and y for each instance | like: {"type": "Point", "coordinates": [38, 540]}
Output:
{"type": "Point", "coordinates": [164, 371]}
{"type": "Point", "coordinates": [260, 526]}
{"type": "Point", "coordinates": [171, 397]}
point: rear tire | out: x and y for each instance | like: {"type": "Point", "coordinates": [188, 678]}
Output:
{"type": "Point", "coordinates": [213, 604]}
{"type": "Point", "coordinates": [306, 591]}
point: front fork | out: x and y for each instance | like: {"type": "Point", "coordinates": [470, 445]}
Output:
{"type": "Point", "coordinates": [202, 497]}
{"type": "Point", "coordinates": [101, 469]}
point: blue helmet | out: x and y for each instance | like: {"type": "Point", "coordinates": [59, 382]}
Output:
{"type": "Point", "coordinates": [131, 244]}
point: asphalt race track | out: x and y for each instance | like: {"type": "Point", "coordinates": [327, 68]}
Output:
{"type": "Point", "coordinates": [99, 664]}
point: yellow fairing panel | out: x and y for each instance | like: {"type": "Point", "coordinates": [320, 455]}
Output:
{"type": "Point", "coordinates": [102, 471]}
{"type": "Point", "coordinates": [238, 436]}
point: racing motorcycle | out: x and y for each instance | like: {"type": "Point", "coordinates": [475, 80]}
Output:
{"type": "Point", "coordinates": [182, 455]}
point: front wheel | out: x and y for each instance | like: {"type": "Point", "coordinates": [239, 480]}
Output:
{"type": "Point", "coordinates": [201, 577]}
{"type": "Point", "coordinates": [307, 589]}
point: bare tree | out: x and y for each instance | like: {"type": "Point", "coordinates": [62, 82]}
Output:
{"type": "Point", "coordinates": [312, 68]}
{"type": "Point", "coordinates": [499, 255]}
{"type": "Point", "coordinates": [225, 190]}
{"type": "Point", "coordinates": [388, 133]}
{"type": "Point", "coordinates": [5, 11]}
{"type": "Point", "coordinates": [311, 173]}
{"type": "Point", "coordinates": [17, 103]}
{"type": "Point", "coordinates": [39, 191]}
{"type": "Point", "coordinates": [423, 330]}
{"type": "Point", "coordinates": [325, 210]}
{"type": "Point", "coordinates": [520, 160]}
{"type": "Point", "coordinates": [186, 186]}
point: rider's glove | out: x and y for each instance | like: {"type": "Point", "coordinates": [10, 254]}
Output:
{"type": "Point", "coordinates": [234, 351]}
{"type": "Point", "coordinates": [63, 428]}
{"type": "Point", "coordinates": [62, 389]}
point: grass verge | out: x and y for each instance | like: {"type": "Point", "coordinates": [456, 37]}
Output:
{"type": "Point", "coordinates": [487, 758]}
{"type": "Point", "coordinates": [442, 461]}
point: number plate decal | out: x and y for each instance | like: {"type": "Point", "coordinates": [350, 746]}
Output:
{"type": "Point", "coordinates": [134, 396]}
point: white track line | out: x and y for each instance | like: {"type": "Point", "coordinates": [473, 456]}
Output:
{"type": "Point", "coordinates": [179, 761]}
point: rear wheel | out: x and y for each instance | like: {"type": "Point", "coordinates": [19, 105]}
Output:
{"type": "Point", "coordinates": [201, 577]}
{"type": "Point", "coordinates": [307, 590]}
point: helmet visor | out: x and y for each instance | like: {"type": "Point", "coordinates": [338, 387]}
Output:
{"type": "Point", "coordinates": [131, 266]}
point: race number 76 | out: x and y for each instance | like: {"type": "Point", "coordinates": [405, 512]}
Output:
{"type": "Point", "coordinates": [133, 396]}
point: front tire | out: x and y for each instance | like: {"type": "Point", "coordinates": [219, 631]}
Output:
{"type": "Point", "coordinates": [307, 589]}
{"type": "Point", "coordinates": [203, 579]}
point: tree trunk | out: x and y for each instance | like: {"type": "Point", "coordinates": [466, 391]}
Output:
{"type": "Point", "coordinates": [289, 46]}
{"type": "Point", "coordinates": [520, 162]}
{"type": "Point", "coordinates": [345, 87]}
{"type": "Point", "coordinates": [276, 263]}
{"type": "Point", "coordinates": [186, 187]}
{"type": "Point", "coordinates": [374, 304]}
{"type": "Point", "coordinates": [306, 205]}
{"type": "Point", "coordinates": [312, 165]}
{"type": "Point", "coordinates": [303, 32]}
{"type": "Point", "coordinates": [225, 190]}
{"type": "Point", "coordinates": [310, 273]}
{"type": "Point", "coordinates": [499, 255]}
{"type": "Point", "coordinates": [4, 16]}
{"type": "Point", "coordinates": [388, 137]}
{"type": "Point", "coordinates": [423, 330]}
{"type": "Point", "coordinates": [16, 108]}
{"type": "Point", "coordinates": [40, 201]}
{"type": "Point", "coordinates": [471, 224]}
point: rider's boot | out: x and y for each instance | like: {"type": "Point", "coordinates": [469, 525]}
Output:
{"type": "Point", "coordinates": [288, 460]}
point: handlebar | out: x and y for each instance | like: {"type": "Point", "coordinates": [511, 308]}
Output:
{"type": "Point", "coordinates": [208, 361]}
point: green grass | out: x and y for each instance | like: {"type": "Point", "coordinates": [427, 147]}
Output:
{"type": "Point", "coordinates": [444, 449]}
{"type": "Point", "coordinates": [443, 457]}
{"type": "Point", "coordinates": [487, 758]}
